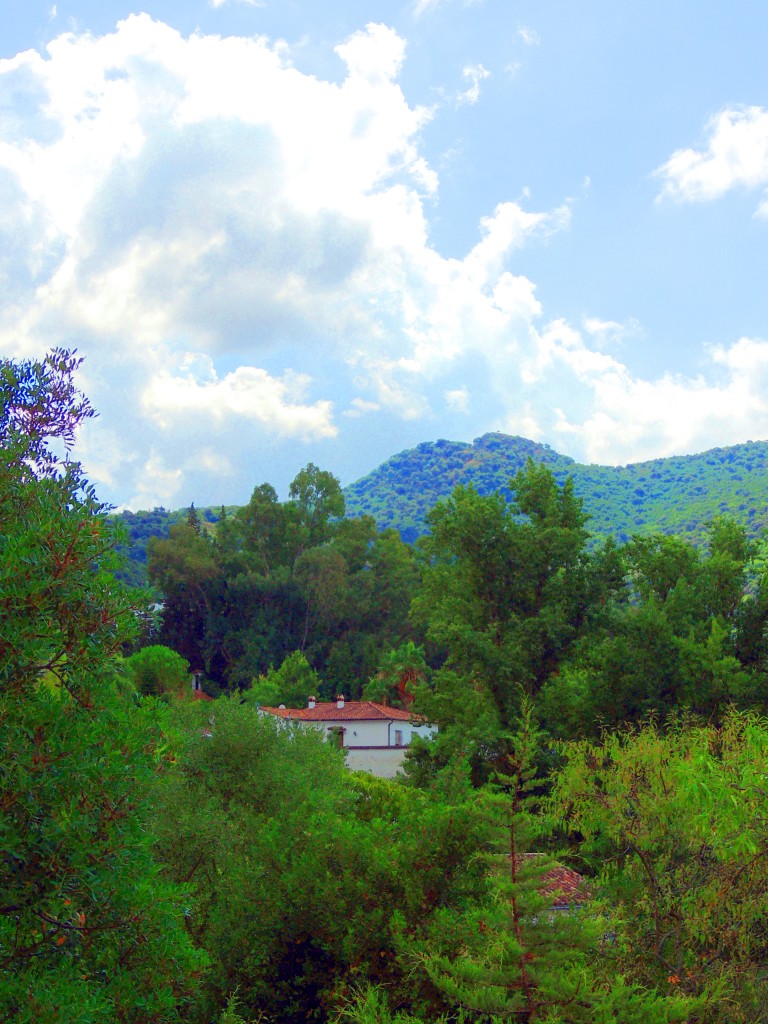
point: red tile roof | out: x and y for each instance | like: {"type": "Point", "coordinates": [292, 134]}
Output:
{"type": "Point", "coordinates": [353, 711]}
{"type": "Point", "coordinates": [565, 886]}
{"type": "Point", "coordinates": [562, 885]}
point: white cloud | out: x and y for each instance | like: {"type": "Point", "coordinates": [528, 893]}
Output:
{"type": "Point", "coordinates": [610, 333]}
{"type": "Point", "coordinates": [201, 194]}
{"type": "Point", "coordinates": [248, 3]}
{"type": "Point", "coordinates": [529, 35]}
{"type": "Point", "coordinates": [375, 55]}
{"type": "Point", "coordinates": [474, 74]}
{"type": "Point", "coordinates": [158, 485]}
{"type": "Point", "coordinates": [423, 6]}
{"type": "Point", "coordinates": [605, 415]}
{"type": "Point", "coordinates": [249, 393]}
{"type": "Point", "coordinates": [457, 399]}
{"type": "Point", "coordinates": [509, 227]}
{"type": "Point", "coordinates": [359, 407]}
{"type": "Point", "coordinates": [214, 461]}
{"type": "Point", "coordinates": [735, 155]}
{"type": "Point", "coordinates": [203, 218]}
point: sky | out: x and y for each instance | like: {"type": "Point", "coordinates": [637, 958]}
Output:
{"type": "Point", "coordinates": [284, 232]}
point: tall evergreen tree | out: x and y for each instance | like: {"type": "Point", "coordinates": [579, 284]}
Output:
{"type": "Point", "coordinates": [193, 519]}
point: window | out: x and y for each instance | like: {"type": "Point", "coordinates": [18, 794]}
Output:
{"type": "Point", "coordinates": [398, 737]}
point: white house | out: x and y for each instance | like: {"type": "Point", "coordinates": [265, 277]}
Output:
{"type": "Point", "coordinates": [375, 736]}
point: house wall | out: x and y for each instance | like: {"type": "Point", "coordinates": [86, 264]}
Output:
{"type": "Point", "coordinates": [368, 734]}
{"type": "Point", "coordinates": [383, 762]}
{"type": "Point", "coordinates": [378, 734]}
{"type": "Point", "coordinates": [364, 734]}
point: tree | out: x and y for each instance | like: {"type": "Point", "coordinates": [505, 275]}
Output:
{"type": "Point", "coordinates": [39, 402]}
{"type": "Point", "coordinates": [317, 499]}
{"type": "Point", "coordinates": [193, 519]}
{"type": "Point", "coordinates": [291, 684]}
{"type": "Point", "coordinates": [158, 671]}
{"type": "Point", "coordinates": [87, 929]}
{"type": "Point", "coordinates": [509, 956]}
{"type": "Point", "coordinates": [184, 568]}
{"type": "Point", "coordinates": [401, 670]}
{"type": "Point", "coordinates": [674, 826]}
{"type": "Point", "coordinates": [322, 573]}
{"type": "Point", "coordinates": [681, 635]}
{"type": "Point", "coordinates": [384, 587]}
{"type": "Point", "coordinates": [275, 577]}
{"type": "Point", "coordinates": [508, 590]}
{"type": "Point", "coordinates": [254, 538]}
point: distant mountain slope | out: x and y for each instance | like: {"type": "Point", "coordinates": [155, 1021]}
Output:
{"type": "Point", "coordinates": [672, 495]}
{"type": "Point", "coordinates": [138, 528]}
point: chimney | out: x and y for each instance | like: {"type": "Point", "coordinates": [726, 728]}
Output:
{"type": "Point", "coordinates": [311, 702]}
{"type": "Point", "coordinates": [340, 701]}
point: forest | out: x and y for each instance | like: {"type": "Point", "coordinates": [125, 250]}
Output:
{"type": "Point", "coordinates": [600, 705]}
{"type": "Point", "coordinates": [676, 495]}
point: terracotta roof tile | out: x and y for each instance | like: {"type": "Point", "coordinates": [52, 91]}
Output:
{"type": "Point", "coordinates": [563, 885]}
{"type": "Point", "coordinates": [353, 711]}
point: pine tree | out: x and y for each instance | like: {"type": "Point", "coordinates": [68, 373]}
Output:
{"type": "Point", "coordinates": [193, 519]}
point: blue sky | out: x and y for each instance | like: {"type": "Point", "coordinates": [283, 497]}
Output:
{"type": "Point", "coordinates": [284, 231]}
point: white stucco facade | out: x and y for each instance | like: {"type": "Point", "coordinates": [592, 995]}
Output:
{"type": "Point", "coordinates": [374, 736]}
{"type": "Point", "coordinates": [392, 733]}
{"type": "Point", "coordinates": [384, 762]}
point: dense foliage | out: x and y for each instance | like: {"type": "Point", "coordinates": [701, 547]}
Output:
{"type": "Point", "coordinates": [677, 495]}
{"type": "Point", "coordinates": [164, 859]}
{"type": "Point", "coordinates": [675, 824]}
{"type": "Point", "coordinates": [305, 876]}
{"type": "Point", "coordinates": [279, 577]}
{"type": "Point", "coordinates": [87, 929]}
{"type": "Point", "coordinates": [137, 528]}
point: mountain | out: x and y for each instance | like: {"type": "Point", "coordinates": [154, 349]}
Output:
{"type": "Point", "coordinates": [137, 527]}
{"type": "Point", "coordinates": [672, 495]}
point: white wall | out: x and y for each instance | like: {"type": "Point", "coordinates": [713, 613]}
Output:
{"type": "Point", "coordinates": [385, 763]}
{"type": "Point", "coordinates": [367, 734]}
{"type": "Point", "coordinates": [379, 734]}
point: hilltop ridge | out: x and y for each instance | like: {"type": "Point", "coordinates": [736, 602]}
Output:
{"type": "Point", "coordinates": [677, 494]}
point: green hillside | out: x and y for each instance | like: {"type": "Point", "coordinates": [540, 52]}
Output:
{"type": "Point", "coordinates": [138, 527]}
{"type": "Point", "coordinates": [673, 495]}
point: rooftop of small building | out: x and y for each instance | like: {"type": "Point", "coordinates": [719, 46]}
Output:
{"type": "Point", "coordinates": [341, 710]}
{"type": "Point", "coordinates": [562, 885]}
